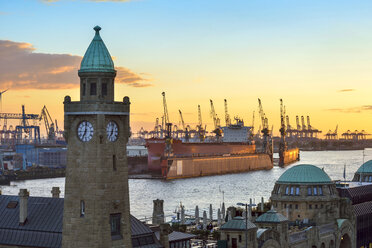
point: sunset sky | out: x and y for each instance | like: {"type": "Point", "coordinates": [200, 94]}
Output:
{"type": "Point", "coordinates": [315, 54]}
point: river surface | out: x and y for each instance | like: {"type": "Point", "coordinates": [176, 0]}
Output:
{"type": "Point", "coordinates": [203, 191]}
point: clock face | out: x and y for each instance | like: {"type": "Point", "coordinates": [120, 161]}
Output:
{"type": "Point", "coordinates": [85, 131]}
{"type": "Point", "coordinates": [112, 131]}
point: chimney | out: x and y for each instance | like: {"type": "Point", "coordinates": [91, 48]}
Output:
{"type": "Point", "coordinates": [23, 202]}
{"type": "Point", "coordinates": [158, 212]}
{"type": "Point", "coordinates": [164, 232]}
{"type": "Point", "coordinates": [55, 192]}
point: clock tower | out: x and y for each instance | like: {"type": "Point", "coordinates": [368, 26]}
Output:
{"type": "Point", "coordinates": [96, 205]}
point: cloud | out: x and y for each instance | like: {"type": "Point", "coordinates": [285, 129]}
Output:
{"type": "Point", "coordinates": [21, 67]}
{"type": "Point", "coordinates": [126, 76]}
{"type": "Point", "coordinates": [353, 109]}
{"type": "Point", "coordinates": [346, 90]}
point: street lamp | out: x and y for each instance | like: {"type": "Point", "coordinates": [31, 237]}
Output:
{"type": "Point", "coordinates": [246, 221]}
{"type": "Point", "coordinates": [250, 205]}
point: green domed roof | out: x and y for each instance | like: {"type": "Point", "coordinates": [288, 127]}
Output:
{"type": "Point", "coordinates": [366, 167]}
{"type": "Point", "coordinates": [97, 58]}
{"type": "Point", "coordinates": [271, 216]}
{"type": "Point", "coordinates": [304, 174]}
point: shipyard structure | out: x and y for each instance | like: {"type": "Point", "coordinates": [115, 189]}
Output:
{"type": "Point", "coordinates": [232, 149]}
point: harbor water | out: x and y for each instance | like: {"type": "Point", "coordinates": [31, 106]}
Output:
{"type": "Point", "coordinates": [202, 191]}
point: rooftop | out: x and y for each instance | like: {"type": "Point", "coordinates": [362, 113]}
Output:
{"type": "Point", "coordinates": [271, 216]}
{"type": "Point", "coordinates": [97, 58]}
{"type": "Point", "coordinates": [304, 174]}
{"type": "Point", "coordinates": [44, 223]}
{"type": "Point", "coordinates": [237, 223]}
{"type": "Point", "coordinates": [365, 168]}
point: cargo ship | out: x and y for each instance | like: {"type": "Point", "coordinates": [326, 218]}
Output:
{"type": "Point", "coordinates": [234, 153]}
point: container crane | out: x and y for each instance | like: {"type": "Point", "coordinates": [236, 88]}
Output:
{"type": "Point", "coordinates": [304, 128]}
{"type": "Point", "coordinates": [216, 121]}
{"type": "Point", "coordinates": [167, 123]}
{"type": "Point", "coordinates": [24, 127]}
{"type": "Point", "coordinates": [298, 126]}
{"type": "Point", "coordinates": [227, 116]}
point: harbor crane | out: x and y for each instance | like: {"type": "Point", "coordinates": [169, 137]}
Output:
{"type": "Point", "coordinates": [227, 116]}
{"type": "Point", "coordinates": [332, 135]}
{"type": "Point", "coordinates": [1, 101]}
{"type": "Point", "coordinates": [252, 130]}
{"type": "Point", "coordinates": [48, 121]}
{"type": "Point", "coordinates": [266, 144]}
{"type": "Point", "coordinates": [216, 121]}
{"type": "Point", "coordinates": [282, 130]}
{"type": "Point", "coordinates": [167, 123]}
{"type": "Point", "coordinates": [200, 129]}
{"type": "Point", "coordinates": [185, 129]}
{"type": "Point", "coordinates": [303, 126]}
{"type": "Point", "coordinates": [298, 126]}
{"type": "Point", "coordinates": [24, 129]}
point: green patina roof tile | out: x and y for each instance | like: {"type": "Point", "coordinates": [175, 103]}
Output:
{"type": "Point", "coordinates": [305, 174]}
{"type": "Point", "coordinates": [271, 216]}
{"type": "Point", "coordinates": [237, 223]}
{"type": "Point", "coordinates": [97, 58]}
{"type": "Point", "coordinates": [366, 167]}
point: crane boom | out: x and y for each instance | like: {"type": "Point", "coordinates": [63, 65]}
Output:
{"type": "Point", "coordinates": [200, 117]}
{"type": "Point", "coordinates": [309, 127]}
{"type": "Point", "coordinates": [166, 116]}
{"type": "Point", "coordinates": [288, 124]}
{"type": "Point", "coordinates": [182, 122]}
{"type": "Point", "coordinates": [227, 116]}
{"type": "Point", "coordinates": [213, 114]}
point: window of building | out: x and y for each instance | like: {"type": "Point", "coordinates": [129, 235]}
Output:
{"type": "Point", "coordinates": [115, 225]}
{"type": "Point", "coordinates": [296, 206]}
{"type": "Point", "coordinates": [310, 207]}
{"type": "Point", "coordinates": [228, 237]}
{"type": "Point", "coordinates": [287, 190]}
{"type": "Point", "coordinates": [104, 89]}
{"type": "Point", "coordinates": [290, 206]}
{"type": "Point", "coordinates": [114, 162]}
{"type": "Point", "coordinates": [285, 205]}
{"type": "Point", "coordinates": [93, 89]}
{"type": "Point", "coordinates": [321, 206]}
{"type": "Point", "coordinates": [292, 190]}
{"type": "Point", "coordinates": [366, 179]}
{"type": "Point", "coordinates": [82, 208]}
{"type": "Point", "coordinates": [240, 238]}
{"type": "Point", "coordinates": [309, 192]}
{"type": "Point", "coordinates": [316, 206]}
{"type": "Point", "coordinates": [297, 190]}
{"type": "Point", "coordinates": [315, 191]}
{"type": "Point", "coordinates": [320, 190]}
{"type": "Point", "coordinates": [279, 189]}
{"type": "Point", "coordinates": [370, 179]}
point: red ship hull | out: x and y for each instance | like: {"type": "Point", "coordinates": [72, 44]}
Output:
{"type": "Point", "coordinates": [200, 159]}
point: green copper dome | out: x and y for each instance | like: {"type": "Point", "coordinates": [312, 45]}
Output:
{"type": "Point", "coordinates": [366, 167]}
{"type": "Point", "coordinates": [304, 174]}
{"type": "Point", "coordinates": [271, 216]}
{"type": "Point", "coordinates": [97, 58]}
